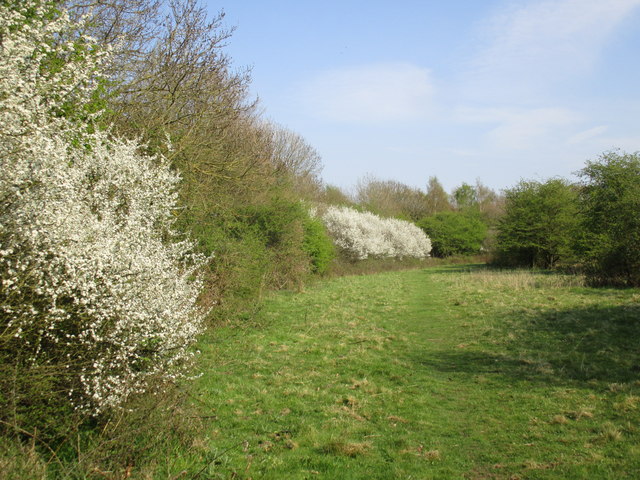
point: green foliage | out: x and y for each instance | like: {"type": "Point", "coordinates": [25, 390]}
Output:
{"type": "Point", "coordinates": [238, 271]}
{"type": "Point", "coordinates": [465, 196]}
{"type": "Point", "coordinates": [272, 221]}
{"type": "Point", "coordinates": [271, 244]}
{"type": "Point", "coordinates": [279, 224]}
{"type": "Point", "coordinates": [318, 245]}
{"type": "Point", "coordinates": [611, 203]}
{"type": "Point", "coordinates": [454, 233]}
{"type": "Point", "coordinates": [539, 225]}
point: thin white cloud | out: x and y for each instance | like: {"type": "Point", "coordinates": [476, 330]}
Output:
{"type": "Point", "coordinates": [586, 135]}
{"type": "Point", "coordinates": [370, 94]}
{"type": "Point", "coordinates": [518, 129]}
{"type": "Point", "coordinates": [535, 43]}
{"type": "Point", "coordinates": [529, 49]}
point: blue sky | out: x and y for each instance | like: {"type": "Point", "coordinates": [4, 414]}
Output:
{"type": "Point", "coordinates": [496, 90]}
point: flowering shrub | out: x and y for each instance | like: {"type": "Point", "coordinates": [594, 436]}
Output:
{"type": "Point", "coordinates": [363, 234]}
{"type": "Point", "coordinates": [94, 278]}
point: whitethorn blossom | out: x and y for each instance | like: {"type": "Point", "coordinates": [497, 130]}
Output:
{"type": "Point", "coordinates": [364, 234]}
{"type": "Point", "coordinates": [94, 277]}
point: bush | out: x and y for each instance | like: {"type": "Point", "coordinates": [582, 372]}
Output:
{"type": "Point", "coordinates": [318, 245]}
{"type": "Point", "coordinates": [363, 234]}
{"type": "Point", "coordinates": [540, 224]}
{"type": "Point", "coordinates": [275, 244]}
{"type": "Point", "coordinates": [98, 291]}
{"type": "Point", "coordinates": [279, 223]}
{"type": "Point", "coordinates": [455, 233]}
{"type": "Point", "coordinates": [610, 199]}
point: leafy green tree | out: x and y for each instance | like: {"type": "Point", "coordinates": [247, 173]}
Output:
{"type": "Point", "coordinates": [454, 233]}
{"type": "Point", "coordinates": [610, 198]}
{"type": "Point", "coordinates": [465, 196]}
{"type": "Point", "coordinates": [540, 224]}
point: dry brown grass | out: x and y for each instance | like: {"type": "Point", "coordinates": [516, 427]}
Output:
{"type": "Point", "coordinates": [610, 432]}
{"type": "Point", "coordinates": [516, 279]}
{"type": "Point", "coordinates": [347, 449]}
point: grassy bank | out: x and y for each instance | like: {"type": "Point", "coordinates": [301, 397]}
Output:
{"type": "Point", "coordinates": [452, 372]}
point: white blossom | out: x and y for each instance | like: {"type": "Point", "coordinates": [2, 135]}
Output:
{"type": "Point", "coordinates": [93, 274]}
{"type": "Point", "coordinates": [364, 234]}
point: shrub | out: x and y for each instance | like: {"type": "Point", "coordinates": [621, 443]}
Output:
{"type": "Point", "coordinates": [274, 244]}
{"type": "Point", "coordinates": [610, 198]}
{"type": "Point", "coordinates": [455, 233]}
{"type": "Point", "coordinates": [364, 234]}
{"type": "Point", "coordinates": [540, 224]}
{"type": "Point", "coordinates": [98, 291]}
{"type": "Point", "coordinates": [318, 245]}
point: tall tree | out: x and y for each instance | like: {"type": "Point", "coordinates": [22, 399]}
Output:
{"type": "Point", "coordinates": [611, 203]}
{"type": "Point", "coordinates": [296, 160]}
{"type": "Point", "coordinates": [490, 204]}
{"type": "Point", "coordinates": [436, 199]}
{"type": "Point", "coordinates": [465, 197]}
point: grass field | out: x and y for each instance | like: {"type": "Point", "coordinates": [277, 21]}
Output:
{"type": "Point", "coordinates": [449, 372]}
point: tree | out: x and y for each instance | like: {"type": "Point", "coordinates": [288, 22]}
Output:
{"type": "Point", "coordinates": [171, 76]}
{"type": "Point", "coordinates": [454, 233]}
{"type": "Point", "coordinates": [334, 195]}
{"type": "Point", "coordinates": [490, 204]}
{"type": "Point", "coordinates": [610, 197]}
{"type": "Point", "coordinates": [540, 224]}
{"type": "Point", "coordinates": [465, 197]}
{"type": "Point", "coordinates": [391, 198]}
{"type": "Point", "coordinates": [296, 160]}
{"type": "Point", "coordinates": [436, 199]}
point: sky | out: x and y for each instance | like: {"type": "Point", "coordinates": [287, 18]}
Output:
{"type": "Point", "coordinates": [495, 90]}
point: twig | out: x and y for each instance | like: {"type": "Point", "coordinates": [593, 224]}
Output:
{"type": "Point", "coordinates": [35, 438]}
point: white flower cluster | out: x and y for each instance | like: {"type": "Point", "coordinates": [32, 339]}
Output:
{"type": "Point", "coordinates": [94, 278]}
{"type": "Point", "coordinates": [364, 234]}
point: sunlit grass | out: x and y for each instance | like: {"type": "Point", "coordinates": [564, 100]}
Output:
{"type": "Point", "coordinates": [514, 279]}
{"type": "Point", "coordinates": [458, 372]}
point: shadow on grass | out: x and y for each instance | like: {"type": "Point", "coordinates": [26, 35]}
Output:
{"type": "Point", "coordinates": [562, 346]}
{"type": "Point", "coordinates": [457, 268]}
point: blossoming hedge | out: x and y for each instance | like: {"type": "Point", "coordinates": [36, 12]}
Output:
{"type": "Point", "coordinates": [364, 234]}
{"type": "Point", "coordinates": [96, 284]}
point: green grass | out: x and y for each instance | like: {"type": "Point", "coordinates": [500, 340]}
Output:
{"type": "Point", "coordinates": [449, 372]}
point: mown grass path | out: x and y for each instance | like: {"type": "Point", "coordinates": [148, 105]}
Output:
{"type": "Point", "coordinates": [454, 372]}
